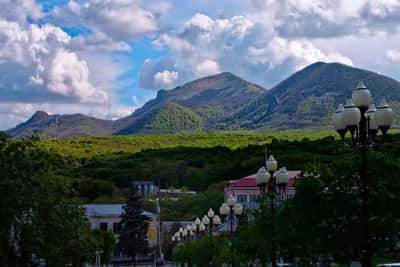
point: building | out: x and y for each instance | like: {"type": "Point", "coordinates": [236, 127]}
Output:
{"type": "Point", "coordinates": [246, 191]}
{"type": "Point", "coordinates": [145, 188]}
{"type": "Point", "coordinates": [107, 217]}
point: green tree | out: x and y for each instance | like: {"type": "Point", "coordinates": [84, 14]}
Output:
{"type": "Point", "coordinates": [134, 226]}
{"type": "Point", "coordinates": [104, 241]}
{"type": "Point", "coordinates": [197, 252]}
{"type": "Point", "coordinates": [3, 136]}
{"type": "Point", "coordinates": [37, 216]}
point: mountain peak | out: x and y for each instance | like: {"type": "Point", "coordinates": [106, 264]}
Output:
{"type": "Point", "coordinates": [39, 115]}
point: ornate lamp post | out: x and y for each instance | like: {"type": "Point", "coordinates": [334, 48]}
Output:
{"type": "Point", "coordinates": [282, 179]}
{"type": "Point", "coordinates": [211, 220]}
{"type": "Point", "coordinates": [262, 179]}
{"type": "Point", "coordinates": [231, 209]}
{"type": "Point", "coordinates": [266, 177]}
{"type": "Point", "coordinates": [272, 165]}
{"type": "Point", "coordinates": [189, 230]}
{"type": "Point", "coordinates": [197, 223]}
{"type": "Point", "coordinates": [178, 237]}
{"type": "Point", "coordinates": [202, 228]}
{"type": "Point", "coordinates": [360, 117]}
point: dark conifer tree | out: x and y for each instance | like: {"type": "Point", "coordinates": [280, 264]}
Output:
{"type": "Point", "coordinates": [134, 225]}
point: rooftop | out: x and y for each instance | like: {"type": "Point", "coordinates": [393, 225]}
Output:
{"type": "Point", "coordinates": [250, 181]}
{"type": "Point", "coordinates": [108, 210]}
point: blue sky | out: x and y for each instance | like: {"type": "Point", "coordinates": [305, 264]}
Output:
{"type": "Point", "coordinates": [105, 58]}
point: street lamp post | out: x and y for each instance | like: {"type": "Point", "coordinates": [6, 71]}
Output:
{"type": "Point", "coordinates": [181, 234]}
{"type": "Point", "coordinates": [189, 232]}
{"type": "Point", "coordinates": [266, 177]}
{"type": "Point", "coordinates": [211, 220]}
{"type": "Point", "coordinates": [272, 165]}
{"type": "Point", "coordinates": [360, 117]}
{"type": "Point", "coordinates": [262, 179]}
{"type": "Point", "coordinates": [197, 223]}
{"type": "Point", "coordinates": [230, 210]}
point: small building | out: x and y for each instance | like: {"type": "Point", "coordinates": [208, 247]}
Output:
{"type": "Point", "coordinates": [246, 191]}
{"type": "Point", "coordinates": [175, 192]}
{"type": "Point", "coordinates": [145, 188]}
{"type": "Point", "coordinates": [107, 217]}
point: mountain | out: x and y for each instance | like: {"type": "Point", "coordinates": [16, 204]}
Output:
{"type": "Point", "coordinates": [168, 118]}
{"type": "Point", "coordinates": [225, 102]}
{"type": "Point", "coordinates": [62, 126]}
{"type": "Point", "coordinates": [212, 99]}
{"type": "Point", "coordinates": [310, 96]}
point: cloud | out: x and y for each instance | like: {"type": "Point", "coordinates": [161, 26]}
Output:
{"type": "Point", "coordinates": [97, 42]}
{"type": "Point", "coordinates": [69, 76]}
{"type": "Point", "coordinates": [240, 44]}
{"type": "Point", "coordinates": [393, 55]}
{"type": "Point", "coordinates": [44, 67]}
{"type": "Point", "coordinates": [301, 52]}
{"type": "Point", "coordinates": [166, 78]}
{"type": "Point", "coordinates": [20, 10]}
{"type": "Point", "coordinates": [123, 20]}
{"type": "Point", "coordinates": [325, 18]}
{"type": "Point", "coordinates": [158, 8]}
{"type": "Point", "coordinates": [37, 64]}
{"type": "Point", "coordinates": [207, 67]}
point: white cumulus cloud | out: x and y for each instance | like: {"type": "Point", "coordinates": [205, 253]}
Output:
{"type": "Point", "coordinates": [69, 76]}
{"type": "Point", "coordinates": [123, 20]}
{"type": "Point", "coordinates": [239, 44]}
{"type": "Point", "coordinates": [393, 55]}
{"type": "Point", "coordinates": [207, 67]}
{"type": "Point", "coordinates": [165, 79]}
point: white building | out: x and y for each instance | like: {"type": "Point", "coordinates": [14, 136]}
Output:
{"type": "Point", "coordinates": [107, 217]}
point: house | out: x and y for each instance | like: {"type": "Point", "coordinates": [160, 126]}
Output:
{"type": "Point", "coordinates": [246, 191]}
{"type": "Point", "coordinates": [145, 188]}
{"type": "Point", "coordinates": [107, 217]}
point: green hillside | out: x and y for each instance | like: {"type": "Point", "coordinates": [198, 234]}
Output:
{"type": "Point", "coordinates": [114, 145]}
{"type": "Point", "coordinates": [175, 118]}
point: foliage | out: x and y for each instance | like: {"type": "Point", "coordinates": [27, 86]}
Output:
{"type": "Point", "coordinates": [4, 136]}
{"type": "Point", "coordinates": [104, 241]}
{"type": "Point", "coordinates": [193, 160]}
{"type": "Point", "coordinates": [174, 118]}
{"type": "Point", "coordinates": [134, 225]}
{"type": "Point", "coordinates": [37, 216]}
{"type": "Point", "coordinates": [198, 252]}
{"type": "Point", "coordinates": [188, 207]}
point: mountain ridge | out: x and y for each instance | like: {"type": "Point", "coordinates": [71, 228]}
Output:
{"type": "Point", "coordinates": [224, 101]}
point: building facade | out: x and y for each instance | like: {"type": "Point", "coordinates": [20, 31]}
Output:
{"type": "Point", "coordinates": [107, 217]}
{"type": "Point", "coordinates": [145, 188]}
{"type": "Point", "coordinates": [246, 191]}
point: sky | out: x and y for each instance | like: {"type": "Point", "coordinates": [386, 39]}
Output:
{"type": "Point", "coordinates": [106, 58]}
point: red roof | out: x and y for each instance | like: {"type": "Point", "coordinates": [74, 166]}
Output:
{"type": "Point", "coordinates": [250, 181]}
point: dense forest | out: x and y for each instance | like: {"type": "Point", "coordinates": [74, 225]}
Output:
{"type": "Point", "coordinates": [101, 168]}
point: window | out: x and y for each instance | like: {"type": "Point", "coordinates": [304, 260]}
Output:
{"type": "Point", "coordinates": [242, 198]}
{"type": "Point", "coordinates": [104, 226]}
{"type": "Point", "coordinates": [253, 198]}
{"type": "Point", "coordinates": [116, 228]}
